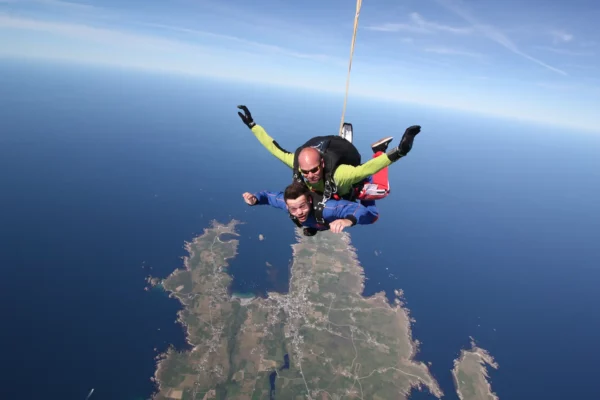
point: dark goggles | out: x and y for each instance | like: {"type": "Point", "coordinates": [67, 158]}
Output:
{"type": "Point", "coordinates": [310, 171]}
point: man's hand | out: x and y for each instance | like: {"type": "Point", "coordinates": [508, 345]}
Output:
{"type": "Point", "coordinates": [413, 130]}
{"type": "Point", "coordinates": [406, 143]}
{"type": "Point", "coordinates": [249, 198]}
{"type": "Point", "coordinates": [339, 224]}
{"type": "Point", "coordinates": [407, 139]}
{"type": "Point", "coordinates": [246, 116]}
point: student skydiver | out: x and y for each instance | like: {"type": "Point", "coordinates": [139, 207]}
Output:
{"type": "Point", "coordinates": [299, 201]}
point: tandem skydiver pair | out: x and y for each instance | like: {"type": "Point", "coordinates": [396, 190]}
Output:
{"type": "Point", "coordinates": [331, 188]}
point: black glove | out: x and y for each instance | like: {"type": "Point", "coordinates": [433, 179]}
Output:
{"type": "Point", "coordinates": [412, 130]}
{"type": "Point", "coordinates": [310, 231]}
{"type": "Point", "coordinates": [408, 137]}
{"type": "Point", "coordinates": [246, 117]}
{"type": "Point", "coordinates": [406, 143]}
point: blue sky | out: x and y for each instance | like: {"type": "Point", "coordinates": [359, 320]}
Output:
{"type": "Point", "coordinates": [534, 60]}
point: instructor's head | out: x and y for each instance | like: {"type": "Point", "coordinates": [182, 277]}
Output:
{"type": "Point", "coordinates": [298, 200]}
{"type": "Point", "coordinates": [311, 164]}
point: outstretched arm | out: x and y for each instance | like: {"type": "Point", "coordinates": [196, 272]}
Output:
{"type": "Point", "coordinates": [267, 141]}
{"type": "Point", "coordinates": [273, 199]}
{"type": "Point", "coordinates": [355, 212]}
{"type": "Point", "coordinates": [272, 146]}
{"type": "Point", "coordinates": [349, 175]}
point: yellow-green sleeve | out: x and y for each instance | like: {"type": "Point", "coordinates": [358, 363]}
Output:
{"type": "Point", "coordinates": [347, 175]}
{"type": "Point", "coordinates": [263, 137]}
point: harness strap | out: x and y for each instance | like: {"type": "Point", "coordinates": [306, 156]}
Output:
{"type": "Point", "coordinates": [318, 208]}
{"type": "Point", "coordinates": [298, 224]}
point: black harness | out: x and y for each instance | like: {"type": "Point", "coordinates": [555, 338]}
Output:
{"type": "Point", "coordinates": [335, 151]}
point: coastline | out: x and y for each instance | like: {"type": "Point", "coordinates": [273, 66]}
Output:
{"type": "Point", "coordinates": [484, 357]}
{"type": "Point", "coordinates": [398, 306]}
{"type": "Point", "coordinates": [161, 358]}
{"type": "Point", "coordinates": [313, 274]}
{"type": "Point", "coordinates": [379, 299]}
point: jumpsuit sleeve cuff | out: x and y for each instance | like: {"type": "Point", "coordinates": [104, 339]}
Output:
{"type": "Point", "coordinates": [352, 218]}
{"type": "Point", "coordinates": [394, 154]}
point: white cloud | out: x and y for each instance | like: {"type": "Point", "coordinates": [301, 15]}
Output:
{"type": "Point", "coordinates": [388, 27]}
{"type": "Point", "coordinates": [420, 21]}
{"type": "Point", "coordinates": [451, 51]}
{"type": "Point", "coordinates": [79, 31]}
{"type": "Point", "coordinates": [123, 38]}
{"type": "Point", "coordinates": [587, 67]}
{"type": "Point", "coordinates": [88, 45]}
{"type": "Point", "coordinates": [559, 36]}
{"type": "Point", "coordinates": [142, 51]}
{"type": "Point", "coordinates": [269, 48]}
{"type": "Point", "coordinates": [557, 86]}
{"type": "Point", "coordinates": [419, 25]}
{"type": "Point", "coordinates": [483, 101]}
{"type": "Point", "coordinates": [566, 52]}
{"type": "Point", "coordinates": [495, 34]}
{"type": "Point", "coordinates": [57, 3]}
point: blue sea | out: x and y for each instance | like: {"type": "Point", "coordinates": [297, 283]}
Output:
{"type": "Point", "coordinates": [491, 227]}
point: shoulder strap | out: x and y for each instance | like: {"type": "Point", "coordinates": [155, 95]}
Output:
{"type": "Point", "coordinates": [340, 151]}
{"type": "Point", "coordinates": [329, 186]}
{"type": "Point", "coordinates": [295, 221]}
{"type": "Point", "coordinates": [295, 170]}
{"type": "Point", "coordinates": [318, 202]}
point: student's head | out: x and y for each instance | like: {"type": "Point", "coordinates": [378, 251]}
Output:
{"type": "Point", "coordinates": [298, 200]}
{"type": "Point", "coordinates": [311, 164]}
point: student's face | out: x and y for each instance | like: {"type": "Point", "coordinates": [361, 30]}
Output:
{"type": "Point", "coordinates": [299, 207]}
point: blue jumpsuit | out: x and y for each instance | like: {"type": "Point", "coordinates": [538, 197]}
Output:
{"type": "Point", "coordinates": [363, 213]}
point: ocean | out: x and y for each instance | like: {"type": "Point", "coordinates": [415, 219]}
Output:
{"type": "Point", "coordinates": [489, 228]}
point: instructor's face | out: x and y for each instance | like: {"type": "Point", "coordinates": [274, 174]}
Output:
{"type": "Point", "coordinates": [299, 208]}
{"type": "Point", "coordinates": [312, 169]}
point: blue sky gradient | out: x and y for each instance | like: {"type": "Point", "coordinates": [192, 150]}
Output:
{"type": "Point", "coordinates": [533, 60]}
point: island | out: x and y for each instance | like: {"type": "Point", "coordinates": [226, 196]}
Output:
{"type": "Point", "coordinates": [471, 375]}
{"type": "Point", "coordinates": [321, 340]}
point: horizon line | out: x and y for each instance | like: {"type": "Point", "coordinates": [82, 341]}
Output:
{"type": "Point", "coordinates": [199, 75]}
